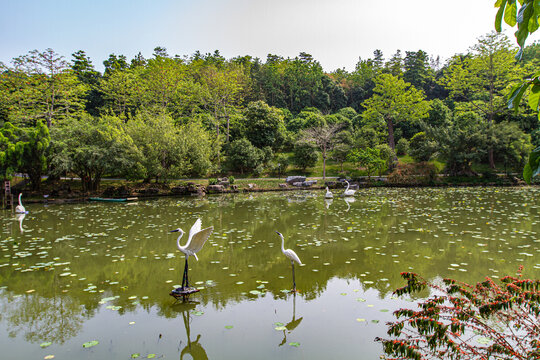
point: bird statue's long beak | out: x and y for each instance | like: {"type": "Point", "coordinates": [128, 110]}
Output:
{"type": "Point", "coordinates": [277, 232]}
{"type": "Point", "coordinates": [175, 230]}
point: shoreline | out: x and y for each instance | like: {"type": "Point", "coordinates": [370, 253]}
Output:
{"type": "Point", "coordinates": [197, 190]}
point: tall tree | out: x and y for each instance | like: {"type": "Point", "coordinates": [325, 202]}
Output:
{"type": "Point", "coordinates": [325, 138]}
{"type": "Point", "coordinates": [481, 79]}
{"type": "Point", "coordinates": [395, 100]}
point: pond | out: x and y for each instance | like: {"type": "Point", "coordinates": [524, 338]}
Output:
{"type": "Point", "coordinates": [73, 274]}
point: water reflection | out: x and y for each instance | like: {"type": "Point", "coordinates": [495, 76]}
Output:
{"type": "Point", "coordinates": [193, 348]}
{"type": "Point", "coordinates": [76, 261]}
{"type": "Point", "coordinates": [20, 218]}
{"type": "Point", "coordinates": [293, 324]}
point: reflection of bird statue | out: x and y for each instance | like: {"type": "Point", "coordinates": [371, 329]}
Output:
{"type": "Point", "coordinates": [196, 240]}
{"type": "Point", "coordinates": [20, 208]}
{"type": "Point", "coordinates": [328, 202]}
{"type": "Point", "coordinates": [348, 201]}
{"type": "Point", "coordinates": [293, 324]}
{"type": "Point", "coordinates": [20, 218]}
{"type": "Point", "coordinates": [291, 255]}
{"type": "Point", "coordinates": [348, 192]}
{"type": "Point", "coordinates": [193, 348]}
{"type": "Point", "coordinates": [328, 194]}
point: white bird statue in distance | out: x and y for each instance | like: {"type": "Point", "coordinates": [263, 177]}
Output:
{"type": "Point", "coordinates": [20, 208]}
{"type": "Point", "coordinates": [348, 192]}
{"type": "Point", "coordinates": [291, 255]}
{"type": "Point", "coordinates": [196, 240]}
{"type": "Point", "coordinates": [328, 194]}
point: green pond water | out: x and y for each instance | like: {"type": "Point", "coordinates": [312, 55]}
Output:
{"type": "Point", "coordinates": [72, 274]}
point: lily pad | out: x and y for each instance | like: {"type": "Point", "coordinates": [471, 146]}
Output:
{"type": "Point", "coordinates": [228, 326]}
{"type": "Point", "coordinates": [280, 328]}
{"type": "Point", "coordinates": [136, 355]}
{"type": "Point", "coordinates": [48, 357]}
{"type": "Point", "coordinates": [90, 343]}
{"type": "Point", "coordinates": [45, 344]}
{"type": "Point", "coordinates": [151, 356]}
{"type": "Point", "coordinates": [295, 344]}
{"type": "Point", "coordinates": [197, 313]}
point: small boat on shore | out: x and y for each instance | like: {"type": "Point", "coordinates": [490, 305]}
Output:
{"type": "Point", "coordinates": [113, 199]}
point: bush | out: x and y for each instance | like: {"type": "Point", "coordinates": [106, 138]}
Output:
{"type": "Point", "coordinates": [281, 162]}
{"type": "Point", "coordinates": [421, 148]}
{"type": "Point", "coordinates": [212, 181]}
{"type": "Point", "coordinates": [242, 156]}
{"type": "Point", "coordinates": [462, 321]}
{"type": "Point", "coordinates": [305, 155]}
{"type": "Point", "coordinates": [402, 147]}
{"type": "Point", "coordinates": [231, 179]}
{"type": "Point", "coordinates": [411, 174]}
{"type": "Point", "coordinates": [387, 154]}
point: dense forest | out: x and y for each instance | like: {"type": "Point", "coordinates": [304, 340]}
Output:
{"type": "Point", "coordinates": [204, 115]}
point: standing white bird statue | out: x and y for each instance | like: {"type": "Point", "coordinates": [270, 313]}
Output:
{"type": "Point", "coordinates": [328, 194]}
{"type": "Point", "coordinates": [196, 240]}
{"type": "Point", "coordinates": [20, 208]}
{"type": "Point", "coordinates": [348, 192]}
{"type": "Point", "coordinates": [291, 255]}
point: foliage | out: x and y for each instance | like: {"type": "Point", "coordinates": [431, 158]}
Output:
{"type": "Point", "coordinates": [461, 143]}
{"type": "Point", "coordinates": [92, 148]}
{"type": "Point", "coordinates": [413, 174]}
{"type": "Point", "coordinates": [387, 154]}
{"type": "Point", "coordinates": [324, 138]}
{"type": "Point", "coordinates": [304, 155]}
{"type": "Point", "coordinates": [402, 146]}
{"type": "Point", "coordinates": [370, 158]}
{"type": "Point", "coordinates": [11, 150]}
{"type": "Point", "coordinates": [231, 179]}
{"type": "Point", "coordinates": [242, 156]}
{"type": "Point", "coordinates": [281, 162]}
{"type": "Point", "coordinates": [36, 147]}
{"type": "Point", "coordinates": [462, 321]}
{"type": "Point", "coordinates": [421, 148]}
{"type": "Point", "coordinates": [527, 21]}
{"type": "Point", "coordinates": [212, 181]}
{"type": "Point", "coordinates": [264, 125]}
{"type": "Point", "coordinates": [511, 145]}
{"type": "Point", "coordinates": [395, 100]}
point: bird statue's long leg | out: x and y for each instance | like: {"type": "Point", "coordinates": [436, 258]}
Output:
{"type": "Point", "coordinates": [293, 280]}
{"type": "Point", "coordinates": [184, 276]}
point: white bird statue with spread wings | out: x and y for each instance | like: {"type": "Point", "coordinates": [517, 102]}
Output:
{"type": "Point", "coordinates": [328, 194]}
{"type": "Point", "coordinates": [348, 192]}
{"type": "Point", "coordinates": [291, 255]}
{"type": "Point", "coordinates": [196, 240]}
{"type": "Point", "coordinates": [20, 208]}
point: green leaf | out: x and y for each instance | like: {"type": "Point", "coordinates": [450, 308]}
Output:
{"type": "Point", "coordinates": [510, 13]}
{"type": "Point", "coordinates": [532, 168]}
{"type": "Point", "coordinates": [135, 355]}
{"type": "Point", "coordinates": [501, 4]}
{"type": "Point", "coordinates": [534, 96]}
{"type": "Point", "coordinates": [228, 326]}
{"type": "Point", "coordinates": [45, 344]}
{"type": "Point", "coordinates": [295, 344]}
{"type": "Point", "coordinates": [280, 328]}
{"type": "Point", "coordinates": [516, 94]}
{"type": "Point", "coordinates": [90, 343]}
{"type": "Point", "coordinates": [151, 356]}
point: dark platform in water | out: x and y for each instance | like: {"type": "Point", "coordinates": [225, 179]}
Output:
{"type": "Point", "coordinates": [183, 292]}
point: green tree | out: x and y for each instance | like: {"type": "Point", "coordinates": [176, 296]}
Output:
{"type": "Point", "coordinates": [11, 150]}
{"type": "Point", "coordinates": [304, 155]}
{"type": "Point", "coordinates": [264, 125]}
{"type": "Point", "coordinates": [369, 158]}
{"type": "Point", "coordinates": [242, 156]}
{"type": "Point", "coordinates": [481, 79]}
{"type": "Point", "coordinates": [421, 148]}
{"type": "Point", "coordinates": [395, 100]}
{"type": "Point", "coordinates": [36, 142]}
{"type": "Point", "coordinates": [324, 138]}
{"type": "Point", "coordinates": [92, 148]}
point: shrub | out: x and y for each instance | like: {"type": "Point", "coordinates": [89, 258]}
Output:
{"type": "Point", "coordinates": [402, 146]}
{"type": "Point", "coordinates": [231, 179]}
{"type": "Point", "coordinates": [421, 148]}
{"type": "Point", "coordinates": [462, 321]}
{"type": "Point", "coordinates": [305, 155]}
{"type": "Point", "coordinates": [242, 156]}
{"type": "Point", "coordinates": [212, 181]}
{"type": "Point", "coordinates": [419, 173]}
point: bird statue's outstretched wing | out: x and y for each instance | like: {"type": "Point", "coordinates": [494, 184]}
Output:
{"type": "Point", "coordinates": [194, 229]}
{"type": "Point", "coordinates": [198, 240]}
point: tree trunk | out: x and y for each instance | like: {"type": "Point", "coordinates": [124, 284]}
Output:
{"type": "Point", "coordinates": [324, 166]}
{"type": "Point", "coordinates": [391, 142]}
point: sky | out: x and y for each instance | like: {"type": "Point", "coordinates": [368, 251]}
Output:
{"type": "Point", "coordinates": [335, 32]}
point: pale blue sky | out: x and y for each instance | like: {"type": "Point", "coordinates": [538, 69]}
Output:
{"type": "Point", "coordinates": [335, 32]}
